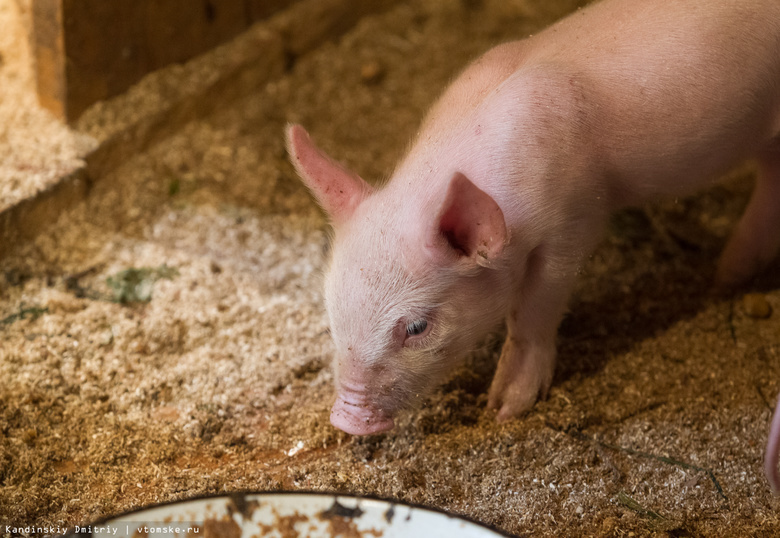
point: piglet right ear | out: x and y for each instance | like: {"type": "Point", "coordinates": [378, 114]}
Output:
{"type": "Point", "coordinates": [338, 190]}
{"type": "Point", "coordinates": [471, 222]}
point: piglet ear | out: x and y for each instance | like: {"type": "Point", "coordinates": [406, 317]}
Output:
{"type": "Point", "coordinates": [471, 222]}
{"type": "Point", "coordinates": [338, 190]}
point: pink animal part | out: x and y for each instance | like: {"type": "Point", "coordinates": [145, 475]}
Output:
{"type": "Point", "coordinates": [512, 177]}
{"type": "Point", "coordinates": [773, 452]}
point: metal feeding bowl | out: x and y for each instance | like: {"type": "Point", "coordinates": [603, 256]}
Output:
{"type": "Point", "coordinates": [286, 515]}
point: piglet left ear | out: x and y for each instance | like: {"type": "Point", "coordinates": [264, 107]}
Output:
{"type": "Point", "coordinates": [338, 190]}
{"type": "Point", "coordinates": [471, 222]}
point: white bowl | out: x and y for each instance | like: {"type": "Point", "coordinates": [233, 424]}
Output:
{"type": "Point", "coordinates": [285, 515]}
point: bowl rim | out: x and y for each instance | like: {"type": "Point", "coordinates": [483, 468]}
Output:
{"type": "Point", "coordinates": [321, 493]}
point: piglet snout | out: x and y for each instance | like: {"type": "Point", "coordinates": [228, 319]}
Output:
{"type": "Point", "coordinates": [352, 414]}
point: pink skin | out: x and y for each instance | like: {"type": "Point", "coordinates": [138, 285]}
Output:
{"type": "Point", "coordinates": [512, 177]}
{"type": "Point", "coordinates": [353, 414]}
{"type": "Point", "coordinates": [773, 452]}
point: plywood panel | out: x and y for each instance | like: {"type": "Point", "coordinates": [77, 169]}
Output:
{"type": "Point", "coordinates": [88, 50]}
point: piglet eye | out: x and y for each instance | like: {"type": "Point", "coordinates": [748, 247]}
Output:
{"type": "Point", "coordinates": [416, 327]}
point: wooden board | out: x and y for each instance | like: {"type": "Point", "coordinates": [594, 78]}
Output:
{"type": "Point", "coordinates": [89, 50]}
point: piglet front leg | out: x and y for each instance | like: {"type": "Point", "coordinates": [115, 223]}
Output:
{"type": "Point", "coordinates": [524, 374]}
{"type": "Point", "coordinates": [525, 369]}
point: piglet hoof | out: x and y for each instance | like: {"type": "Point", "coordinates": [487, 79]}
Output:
{"type": "Point", "coordinates": [524, 375]}
{"type": "Point", "coordinates": [744, 258]}
{"type": "Point", "coordinates": [731, 276]}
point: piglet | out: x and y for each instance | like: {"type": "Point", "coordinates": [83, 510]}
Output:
{"type": "Point", "coordinates": [512, 177]}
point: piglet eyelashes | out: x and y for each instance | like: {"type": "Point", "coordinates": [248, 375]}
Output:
{"type": "Point", "coordinates": [416, 327]}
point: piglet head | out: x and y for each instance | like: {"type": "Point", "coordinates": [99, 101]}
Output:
{"type": "Point", "coordinates": [411, 286]}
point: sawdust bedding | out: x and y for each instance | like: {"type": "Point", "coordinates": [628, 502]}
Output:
{"type": "Point", "coordinates": [655, 425]}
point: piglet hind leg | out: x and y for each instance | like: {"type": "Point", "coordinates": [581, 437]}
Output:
{"type": "Point", "coordinates": [525, 368]}
{"type": "Point", "coordinates": [751, 248]}
{"type": "Point", "coordinates": [756, 240]}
